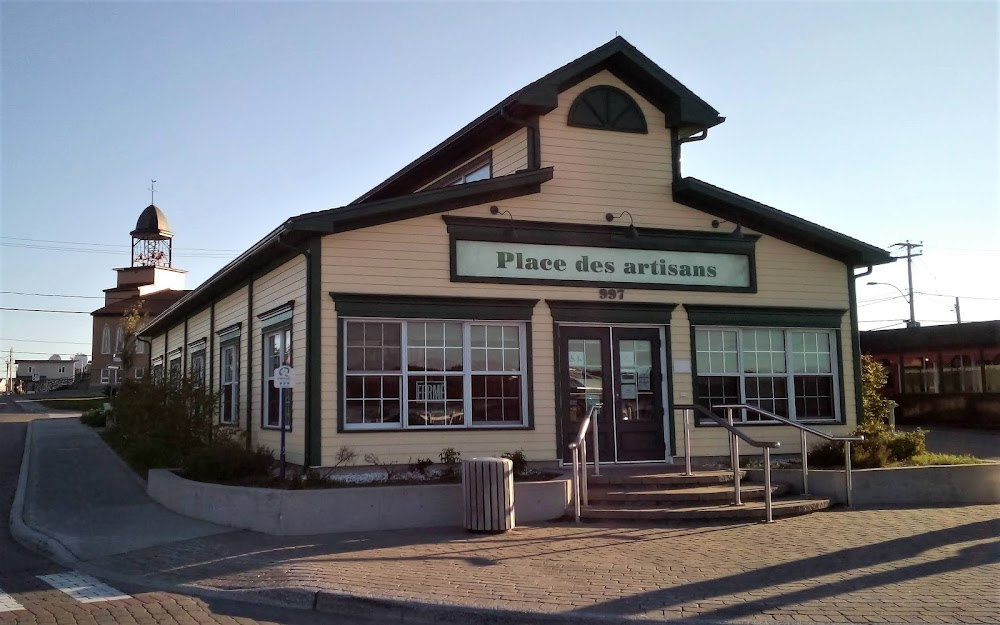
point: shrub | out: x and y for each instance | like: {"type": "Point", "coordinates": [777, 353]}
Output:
{"type": "Point", "coordinates": [928, 458]}
{"type": "Point", "coordinates": [421, 465]}
{"type": "Point", "coordinates": [882, 446]}
{"type": "Point", "coordinates": [95, 417]}
{"type": "Point", "coordinates": [520, 461]}
{"type": "Point", "coordinates": [452, 460]}
{"type": "Point", "coordinates": [226, 460]}
{"type": "Point", "coordinates": [157, 423]}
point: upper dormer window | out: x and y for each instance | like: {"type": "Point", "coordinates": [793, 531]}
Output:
{"type": "Point", "coordinates": [607, 108]}
{"type": "Point", "coordinates": [479, 168]}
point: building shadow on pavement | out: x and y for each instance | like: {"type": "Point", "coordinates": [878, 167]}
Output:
{"type": "Point", "coordinates": [839, 563]}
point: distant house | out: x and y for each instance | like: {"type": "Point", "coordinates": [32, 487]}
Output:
{"type": "Point", "coordinates": [943, 372]}
{"type": "Point", "coordinates": [151, 283]}
{"type": "Point", "coordinates": [46, 375]}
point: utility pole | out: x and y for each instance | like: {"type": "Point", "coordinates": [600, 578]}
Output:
{"type": "Point", "coordinates": [958, 311]}
{"type": "Point", "coordinates": [912, 323]}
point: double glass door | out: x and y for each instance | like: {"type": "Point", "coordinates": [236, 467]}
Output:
{"type": "Point", "coordinates": [618, 367]}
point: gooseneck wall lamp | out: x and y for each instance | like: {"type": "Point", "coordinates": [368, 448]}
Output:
{"type": "Point", "coordinates": [912, 323]}
{"type": "Point", "coordinates": [632, 233]}
{"type": "Point", "coordinates": [495, 210]}
{"type": "Point", "coordinates": [737, 232]}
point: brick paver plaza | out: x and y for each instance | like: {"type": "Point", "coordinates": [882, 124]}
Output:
{"type": "Point", "coordinates": [932, 565]}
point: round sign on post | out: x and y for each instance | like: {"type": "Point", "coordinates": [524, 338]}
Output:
{"type": "Point", "coordinates": [284, 377]}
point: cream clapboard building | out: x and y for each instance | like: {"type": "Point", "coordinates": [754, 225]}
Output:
{"type": "Point", "coordinates": [546, 257]}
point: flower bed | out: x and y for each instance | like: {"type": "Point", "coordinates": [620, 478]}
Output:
{"type": "Point", "coordinates": [324, 510]}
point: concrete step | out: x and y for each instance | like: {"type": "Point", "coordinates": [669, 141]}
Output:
{"type": "Point", "coordinates": [750, 510]}
{"type": "Point", "coordinates": [663, 479]}
{"type": "Point", "coordinates": [646, 496]}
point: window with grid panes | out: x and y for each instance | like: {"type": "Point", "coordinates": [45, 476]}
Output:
{"type": "Point", "coordinates": [791, 373]}
{"type": "Point", "coordinates": [454, 373]}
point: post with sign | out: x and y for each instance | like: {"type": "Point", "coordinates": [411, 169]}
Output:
{"type": "Point", "coordinates": [284, 377]}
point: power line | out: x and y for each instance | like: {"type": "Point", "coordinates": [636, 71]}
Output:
{"type": "Point", "coordinates": [38, 341]}
{"type": "Point", "coordinates": [988, 299]}
{"type": "Point", "coordinates": [73, 312]}
{"type": "Point", "coordinates": [113, 245]}
{"type": "Point", "coordinates": [52, 295]}
{"type": "Point", "coordinates": [56, 248]}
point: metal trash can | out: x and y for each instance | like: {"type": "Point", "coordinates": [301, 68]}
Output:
{"type": "Point", "coordinates": [488, 494]}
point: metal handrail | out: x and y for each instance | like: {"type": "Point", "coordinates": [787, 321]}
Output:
{"type": "Point", "coordinates": [803, 431]}
{"type": "Point", "coordinates": [578, 451]}
{"type": "Point", "coordinates": [734, 453]}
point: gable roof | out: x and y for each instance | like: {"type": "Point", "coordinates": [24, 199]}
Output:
{"type": "Point", "coordinates": [152, 303]}
{"type": "Point", "coordinates": [778, 224]}
{"type": "Point", "coordinates": [680, 106]}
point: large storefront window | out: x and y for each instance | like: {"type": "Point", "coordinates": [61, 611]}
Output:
{"type": "Point", "coordinates": [791, 373]}
{"type": "Point", "coordinates": [920, 374]}
{"type": "Point", "coordinates": [450, 373]}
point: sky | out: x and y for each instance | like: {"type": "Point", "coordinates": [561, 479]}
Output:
{"type": "Point", "coordinates": [877, 120]}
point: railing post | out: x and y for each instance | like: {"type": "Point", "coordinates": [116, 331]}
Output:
{"type": "Point", "coordinates": [687, 442]}
{"type": "Point", "coordinates": [805, 464]}
{"type": "Point", "coordinates": [767, 485]}
{"type": "Point", "coordinates": [584, 493]}
{"type": "Point", "coordinates": [734, 452]}
{"type": "Point", "coordinates": [892, 414]}
{"type": "Point", "coordinates": [576, 483]}
{"type": "Point", "coordinates": [847, 473]}
{"type": "Point", "coordinates": [595, 411]}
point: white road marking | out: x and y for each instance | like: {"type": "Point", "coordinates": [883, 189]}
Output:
{"type": "Point", "coordinates": [7, 603]}
{"type": "Point", "coordinates": [83, 588]}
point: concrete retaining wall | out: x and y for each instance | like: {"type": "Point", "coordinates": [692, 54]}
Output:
{"type": "Point", "coordinates": [955, 485]}
{"type": "Point", "coordinates": [355, 509]}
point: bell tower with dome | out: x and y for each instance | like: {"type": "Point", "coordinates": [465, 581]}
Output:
{"type": "Point", "coordinates": [151, 281]}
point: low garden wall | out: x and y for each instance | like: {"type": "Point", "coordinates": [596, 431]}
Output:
{"type": "Point", "coordinates": [934, 485]}
{"type": "Point", "coordinates": [349, 509]}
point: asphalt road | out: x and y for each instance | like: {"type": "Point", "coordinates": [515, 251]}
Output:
{"type": "Point", "coordinates": [26, 598]}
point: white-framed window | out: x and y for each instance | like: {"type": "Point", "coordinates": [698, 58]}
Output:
{"type": "Point", "coordinates": [119, 339]}
{"type": "Point", "coordinates": [229, 382]}
{"type": "Point", "coordinates": [277, 402]}
{"type": "Point", "coordinates": [31, 369]}
{"type": "Point", "coordinates": [62, 369]}
{"type": "Point", "coordinates": [106, 339]}
{"type": "Point", "coordinates": [425, 374]}
{"type": "Point", "coordinates": [480, 173]}
{"type": "Point", "coordinates": [138, 373]}
{"type": "Point", "coordinates": [105, 376]}
{"type": "Point", "coordinates": [790, 372]}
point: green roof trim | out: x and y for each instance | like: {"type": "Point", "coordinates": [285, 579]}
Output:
{"type": "Point", "coordinates": [778, 224]}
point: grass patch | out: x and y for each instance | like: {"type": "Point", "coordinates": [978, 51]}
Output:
{"type": "Point", "coordinates": [932, 458]}
{"type": "Point", "coordinates": [82, 404]}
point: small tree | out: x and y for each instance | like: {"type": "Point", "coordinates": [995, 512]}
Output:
{"type": "Point", "coordinates": [132, 321]}
{"type": "Point", "coordinates": [873, 379]}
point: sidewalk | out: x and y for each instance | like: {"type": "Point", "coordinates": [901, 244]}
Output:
{"type": "Point", "coordinates": [934, 565]}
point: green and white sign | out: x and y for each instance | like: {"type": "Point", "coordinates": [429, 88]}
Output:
{"type": "Point", "coordinates": [562, 263]}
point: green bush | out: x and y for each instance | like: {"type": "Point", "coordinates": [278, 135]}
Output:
{"type": "Point", "coordinates": [95, 417]}
{"type": "Point", "coordinates": [226, 460]}
{"type": "Point", "coordinates": [451, 458]}
{"type": "Point", "coordinates": [882, 446]}
{"type": "Point", "coordinates": [157, 423]}
{"type": "Point", "coordinates": [520, 461]}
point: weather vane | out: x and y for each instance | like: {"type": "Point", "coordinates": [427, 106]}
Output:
{"type": "Point", "coordinates": [152, 191]}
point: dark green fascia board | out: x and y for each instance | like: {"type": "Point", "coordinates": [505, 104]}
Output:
{"type": "Point", "coordinates": [432, 307]}
{"type": "Point", "coordinates": [764, 316]}
{"type": "Point", "coordinates": [422, 203]}
{"type": "Point", "coordinates": [680, 106]}
{"type": "Point", "coordinates": [778, 224]}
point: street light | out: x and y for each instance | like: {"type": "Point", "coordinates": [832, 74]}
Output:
{"type": "Point", "coordinates": [912, 323]}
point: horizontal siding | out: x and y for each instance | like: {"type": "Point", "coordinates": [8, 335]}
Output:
{"type": "Point", "coordinates": [157, 346]}
{"type": "Point", "coordinates": [228, 311]}
{"type": "Point", "coordinates": [198, 325]}
{"type": "Point", "coordinates": [283, 284]}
